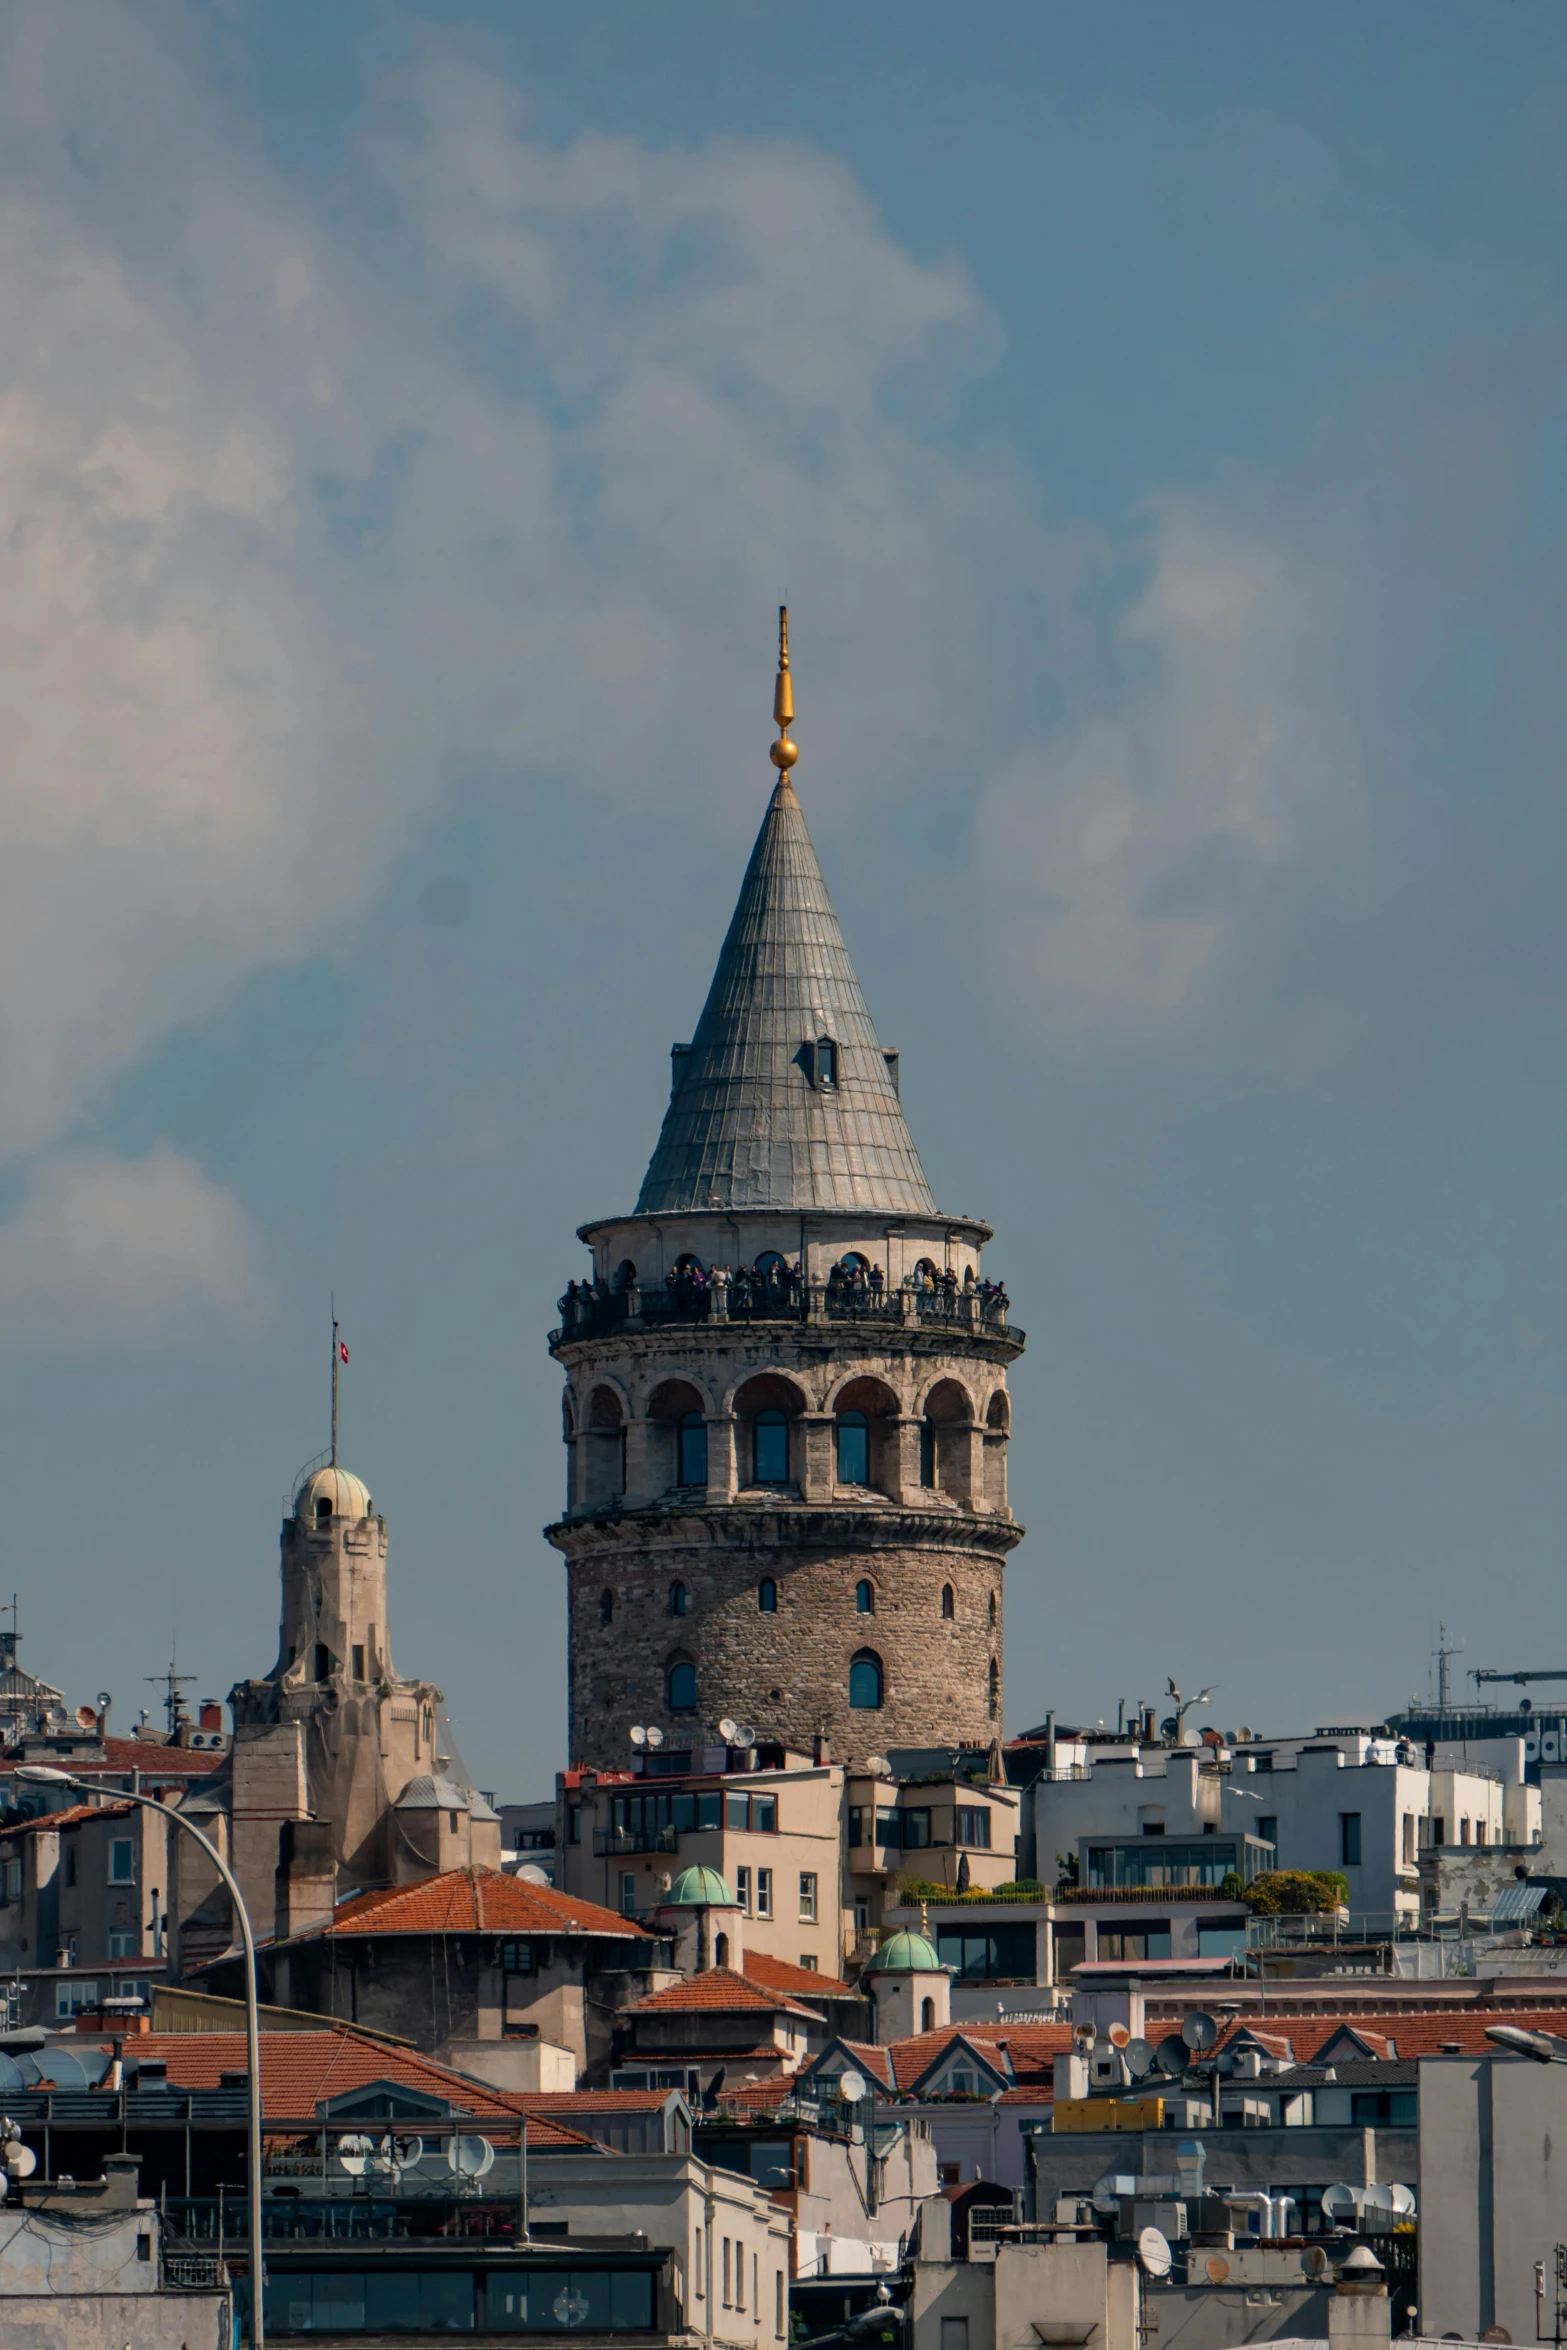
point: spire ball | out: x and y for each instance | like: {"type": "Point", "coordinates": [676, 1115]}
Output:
{"type": "Point", "coordinates": [783, 753]}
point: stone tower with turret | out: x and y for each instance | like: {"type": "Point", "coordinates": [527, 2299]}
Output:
{"type": "Point", "coordinates": [786, 1414]}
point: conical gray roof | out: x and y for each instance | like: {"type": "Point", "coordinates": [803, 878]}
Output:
{"type": "Point", "coordinates": [746, 1127]}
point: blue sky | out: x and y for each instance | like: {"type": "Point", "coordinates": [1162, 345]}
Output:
{"type": "Point", "coordinates": [1154, 418]}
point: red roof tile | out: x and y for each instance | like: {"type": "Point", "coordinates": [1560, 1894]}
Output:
{"type": "Point", "coordinates": [299, 2070]}
{"type": "Point", "coordinates": [776, 1974]}
{"type": "Point", "coordinates": [120, 1755]}
{"type": "Point", "coordinates": [72, 1817]}
{"type": "Point", "coordinates": [720, 1989]}
{"type": "Point", "coordinates": [472, 1901]}
{"type": "Point", "coordinates": [1032, 2049]}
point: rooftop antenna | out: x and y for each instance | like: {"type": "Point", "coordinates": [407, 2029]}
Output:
{"type": "Point", "coordinates": [1445, 1651]}
{"type": "Point", "coordinates": [783, 753]}
{"type": "Point", "coordinates": [173, 1682]}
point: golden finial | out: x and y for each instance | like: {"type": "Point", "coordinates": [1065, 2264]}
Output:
{"type": "Point", "coordinates": [925, 1918]}
{"type": "Point", "coordinates": [783, 753]}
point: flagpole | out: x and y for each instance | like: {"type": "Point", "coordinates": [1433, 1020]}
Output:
{"type": "Point", "coordinates": [334, 1390]}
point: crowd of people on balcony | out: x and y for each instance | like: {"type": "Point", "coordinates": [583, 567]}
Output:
{"type": "Point", "coordinates": [776, 1286]}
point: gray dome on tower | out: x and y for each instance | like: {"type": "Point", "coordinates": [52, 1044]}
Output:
{"type": "Point", "coordinates": [784, 1098]}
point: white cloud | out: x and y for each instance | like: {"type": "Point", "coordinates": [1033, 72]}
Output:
{"type": "Point", "coordinates": [109, 1252]}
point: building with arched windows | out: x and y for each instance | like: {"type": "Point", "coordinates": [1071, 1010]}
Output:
{"type": "Point", "coordinates": [786, 1415]}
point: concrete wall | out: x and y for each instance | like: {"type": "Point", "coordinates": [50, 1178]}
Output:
{"type": "Point", "coordinates": [117, 2321]}
{"type": "Point", "coordinates": [1493, 2191]}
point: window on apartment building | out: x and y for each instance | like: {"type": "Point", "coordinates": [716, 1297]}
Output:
{"type": "Point", "coordinates": [972, 1826]}
{"type": "Point", "coordinates": [74, 1998]}
{"type": "Point", "coordinates": [123, 1943]}
{"type": "Point", "coordinates": [1268, 1828]}
{"type": "Point", "coordinates": [862, 1917]}
{"type": "Point", "coordinates": [778, 2303]}
{"type": "Point", "coordinates": [1371, 2109]}
{"type": "Point", "coordinates": [70, 1861]}
{"type": "Point", "coordinates": [1463, 1830]}
{"type": "Point", "coordinates": [764, 1893]}
{"type": "Point", "coordinates": [1135, 1938]}
{"type": "Point", "coordinates": [518, 1958]}
{"type": "Point", "coordinates": [808, 1961]}
{"type": "Point", "coordinates": [1480, 1831]}
{"type": "Point", "coordinates": [743, 1889]}
{"type": "Point", "coordinates": [1438, 1828]}
{"type": "Point", "coordinates": [628, 1893]}
{"type": "Point", "coordinates": [574, 1823]}
{"type": "Point", "coordinates": [954, 2330]}
{"type": "Point", "coordinates": [756, 2284]}
{"type": "Point", "coordinates": [808, 1894]}
{"type": "Point", "coordinates": [1349, 1839]}
{"type": "Point", "coordinates": [856, 1825]}
{"type": "Point", "coordinates": [1407, 1839]}
{"type": "Point", "coordinates": [739, 2276]}
{"type": "Point", "coordinates": [725, 2272]}
{"type": "Point", "coordinates": [915, 1830]}
{"type": "Point", "coordinates": [991, 1954]}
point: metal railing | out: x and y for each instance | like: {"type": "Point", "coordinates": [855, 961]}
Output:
{"type": "Point", "coordinates": [596, 1312]}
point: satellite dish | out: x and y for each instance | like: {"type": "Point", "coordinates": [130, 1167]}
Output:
{"type": "Point", "coordinates": [1168, 1728]}
{"type": "Point", "coordinates": [1341, 2205]}
{"type": "Point", "coordinates": [395, 2155]}
{"type": "Point", "coordinates": [638, 1734]}
{"type": "Point", "coordinates": [655, 1737]}
{"type": "Point", "coordinates": [355, 2153]}
{"type": "Point", "coordinates": [729, 1731]}
{"type": "Point", "coordinates": [1171, 2054]}
{"type": "Point", "coordinates": [1118, 2036]}
{"type": "Point", "coordinates": [1153, 2252]}
{"type": "Point", "coordinates": [530, 1873]}
{"type": "Point", "coordinates": [745, 1735]}
{"type": "Point", "coordinates": [1139, 2058]}
{"type": "Point", "coordinates": [470, 2158]}
{"type": "Point", "coordinates": [85, 1718]}
{"type": "Point", "coordinates": [879, 1764]}
{"type": "Point", "coordinates": [851, 2087]}
{"type": "Point", "coordinates": [1246, 1734]}
{"type": "Point", "coordinates": [1199, 2031]}
{"type": "Point", "coordinates": [1403, 2201]}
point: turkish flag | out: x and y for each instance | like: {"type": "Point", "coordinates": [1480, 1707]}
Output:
{"type": "Point", "coordinates": [342, 1351]}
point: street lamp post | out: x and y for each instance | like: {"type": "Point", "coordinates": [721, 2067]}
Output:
{"type": "Point", "coordinates": [41, 1775]}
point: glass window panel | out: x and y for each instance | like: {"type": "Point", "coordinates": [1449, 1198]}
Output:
{"type": "Point", "coordinates": [737, 1812]}
{"type": "Point", "coordinates": [631, 2301]}
{"type": "Point", "coordinates": [770, 1449]}
{"type": "Point", "coordinates": [684, 1813]}
{"type": "Point", "coordinates": [710, 1808]}
{"type": "Point", "coordinates": [764, 1814]}
{"type": "Point", "coordinates": [854, 1449]}
{"type": "Point", "coordinates": [693, 1449]}
{"type": "Point", "coordinates": [865, 1684]}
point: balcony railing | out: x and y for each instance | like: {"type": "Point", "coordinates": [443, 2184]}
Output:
{"type": "Point", "coordinates": [595, 1312]}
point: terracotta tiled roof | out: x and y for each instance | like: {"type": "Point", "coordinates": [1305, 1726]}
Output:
{"type": "Point", "coordinates": [299, 2070]}
{"type": "Point", "coordinates": [776, 1974]}
{"type": "Point", "coordinates": [72, 1817]}
{"type": "Point", "coordinates": [568, 2101]}
{"type": "Point", "coordinates": [1397, 2037]}
{"type": "Point", "coordinates": [119, 1755]}
{"type": "Point", "coordinates": [758, 2096]}
{"type": "Point", "coordinates": [721, 1990]}
{"type": "Point", "coordinates": [1031, 2048]}
{"type": "Point", "coordinates": [474, 1901]}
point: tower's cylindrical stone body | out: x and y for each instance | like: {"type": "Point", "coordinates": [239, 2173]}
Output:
{"type": "Point", "coordinates": [786, 1416]}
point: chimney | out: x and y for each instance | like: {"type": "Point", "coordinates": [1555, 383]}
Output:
{"type": "Point", "coordinates": [209, 1715]}
{"type": "Point", "coordinates": [306, 1880]}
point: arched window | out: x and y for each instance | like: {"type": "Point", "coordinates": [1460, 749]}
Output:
{"type": "Point", "coordinates": [625, 1275]}
{"type": "Point", "coordinates": [865, 1682]}
{"type": "Point", "coordinates": [692, 1442]}
{"type": "Point", "coordinates": [854, 1449]}
{"type": "Point", "coordinates": [864, 1598]}
{"type": "Point", "coordinates": [949, 1603]}
{"type": "Point", "coordinates": [680, 1688]}
{"type": "Point", "coordinates": [677, 1599]}
{"type": "Point", "coordinates": [321, 1662]}
{"type": "Point", "coordinates": [323, 1509]}
{"type": "Point", "coordinates": [770, 1449]}
{"type": "Point", "coordinates": [689, 1263]}
{"type": "Point", "coordinates": [927, 1452]}
{"type": "Point", "coordinates": [606, 1607]}
{"type": "Point", "coordinates": [992, 1611]}
{"type": "Point", "coordinates": [995, 1687]}
{"type": "Point", "coordinates": [720, 1950]}
{"type": "Point", "coordinates": [770, 1262]}
{"type": "Point", "coordinates": [927, 2015]}
{"type": "Point", "coordinates": [767, 1597]}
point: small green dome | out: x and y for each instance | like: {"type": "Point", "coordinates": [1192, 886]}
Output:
{"type": "Point", "coordinates": [699, 1888]}
{"type": "Point", "coordinates": [905, 1954]}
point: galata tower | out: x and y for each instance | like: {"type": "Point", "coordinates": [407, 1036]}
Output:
{"type": "Point", "coordinates": [786, 1411]}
